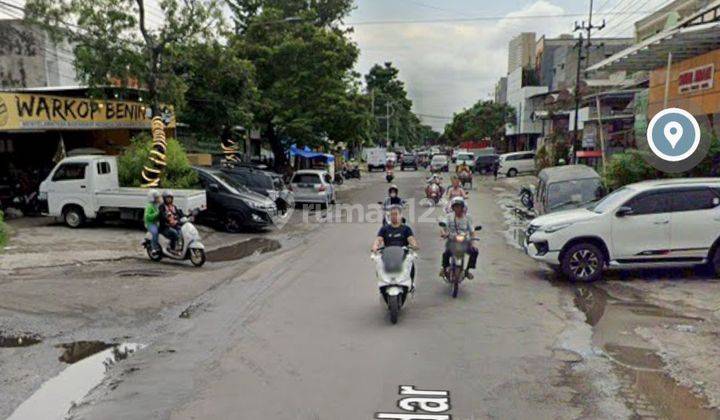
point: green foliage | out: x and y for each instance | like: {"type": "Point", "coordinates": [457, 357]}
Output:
{"type": "Point", "coordinates": [388, 93]}
{"type": "Point", "coordinates": [221, 89]}
{"type": "Point", "coordinates": [626, 168]}
{"type": "Point", "coordinates": [177, 174]}
{"type": "Point", "coordinates": [3, 232]}
{"type": "Point", "coordinates": [113, 42]}
{"type": "Point", "coordinates": [705, 168]}
{"type": "Point", "coordinates": [485, 119]}
{"type": "Point", "coordinates": [553, 149]}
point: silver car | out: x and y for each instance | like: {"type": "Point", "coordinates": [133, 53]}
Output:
{"type": "Point", "coordinates": [313, 186]}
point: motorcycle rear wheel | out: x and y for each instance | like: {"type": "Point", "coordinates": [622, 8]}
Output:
{"type": "Point", "coordinates": [394, 306]}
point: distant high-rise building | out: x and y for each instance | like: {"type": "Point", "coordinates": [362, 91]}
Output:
{"type": "Point", "coordinates": [501, 91]}
{"type": "Point", "coordinates": [521, 52]}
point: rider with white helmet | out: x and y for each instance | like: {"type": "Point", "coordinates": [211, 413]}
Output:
{"type": "Point", "coordinates": [458, 222]}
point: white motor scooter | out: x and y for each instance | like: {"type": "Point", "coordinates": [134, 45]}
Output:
{"type": "Point", "coordinates": [188, 246]}
{"type": "Point", "coordinates": [394, 266]}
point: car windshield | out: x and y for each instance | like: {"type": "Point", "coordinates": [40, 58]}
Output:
{"type": "Point", "coordinates": [612, 200]}
{"type": "Point", "coordinates": [230, 182]}
{"type": "Point", "coordinates": [574, 192]}
{"type": "Point", "coordinates": [439, 159]}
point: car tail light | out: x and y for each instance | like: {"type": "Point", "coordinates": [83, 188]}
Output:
{"type": "Point", "coordinates": [322, 188]}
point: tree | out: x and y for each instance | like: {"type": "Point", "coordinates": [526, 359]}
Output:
{"type": "Point", "coordinates": [304, 76]}
{"type": "Point", "coordinates": [114, 42]}
{"type": "Point", "coordinates": [221, 88]}
{"type": "Point", "coordinates": [392, 107]}
{"type": "Point", "coordinates": [485, 119]}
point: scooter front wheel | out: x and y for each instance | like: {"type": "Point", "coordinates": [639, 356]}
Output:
{"type": "Point", "coordinates": [197, 257]}
{"type": "Point", "coordinates": [394, 305]}
{"type": "Point", "coordinates": [153, 254]}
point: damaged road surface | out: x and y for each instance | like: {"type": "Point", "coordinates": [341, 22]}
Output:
{"type": "Point", "coordinates": [291, 328]}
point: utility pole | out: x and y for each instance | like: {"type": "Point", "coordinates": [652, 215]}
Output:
{"type": "Point", "coordinates": [588, 28]}
{"type": "Point", "coordinates": [387, 124]}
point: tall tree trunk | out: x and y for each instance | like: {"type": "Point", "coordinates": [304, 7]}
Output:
{"type": "Point", "coordinates": [281, 161]}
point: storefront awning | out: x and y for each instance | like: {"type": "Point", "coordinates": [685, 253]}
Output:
{"type": "Point", "coordinates": [651, 54]}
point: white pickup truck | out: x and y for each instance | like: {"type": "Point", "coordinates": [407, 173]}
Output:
{"type": "Point", "coordinates": [83, 188]}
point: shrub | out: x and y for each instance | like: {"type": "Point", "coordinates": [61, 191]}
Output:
{"type": "Point", "coordinates": [626, 168]}
{"type": "Point", "coordinates": [177, 174]}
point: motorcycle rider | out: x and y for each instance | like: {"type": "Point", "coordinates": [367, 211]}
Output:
{"type": "Point", "coordinates": [459, 223]}
{"type": "Point", "coordinates": [434, 179]}
{"type": "Point", "coordinates": [170, 216]}
{"type": "Point", "coordinates": [393, 198]}
{"type": "Point", "coordinates": [396, 233]}
{"type": "Point", "coordinates": [152, 216]}
{"type": "Point", "coordinates": [456, 189]}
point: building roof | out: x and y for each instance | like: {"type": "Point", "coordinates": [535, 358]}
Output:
{"type": "Point", "coordinates": [696, 35]}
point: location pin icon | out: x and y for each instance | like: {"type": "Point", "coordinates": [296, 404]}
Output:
{"type": "Point", "coordinates": [673, 132]}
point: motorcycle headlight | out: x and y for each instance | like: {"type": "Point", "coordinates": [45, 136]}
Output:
{"type": "Point", "coordinates": [555, 228]}
{"type": "Point", "coordinates": [460, 238]}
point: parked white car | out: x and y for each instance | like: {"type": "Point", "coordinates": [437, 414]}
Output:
{"type": "Point", "coordinates": [314, 187]}
{"type": "Point", "coordinates": [440, 163]}
{"type": "Point", "coordinates": [82, 188]}
{"type": "Point", "coordinates": [661, 223]}
{"type": "Point", "coordinates": [512, 164]}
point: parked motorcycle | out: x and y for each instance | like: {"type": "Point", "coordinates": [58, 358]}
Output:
{"type": "Point", "coordinates": [188, 246]}
{"type": "Point", "coordinates": [353, 172]}
{"type": "Point", "coordinates": [458, 245]}
{"type": "Point", "coordinates": [394, 266]}
{"type": "Point", "coordinates": [526, 196]}
{"type": "Point", "coordinates": [339, 179]}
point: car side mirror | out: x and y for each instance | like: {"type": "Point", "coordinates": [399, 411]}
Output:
{"type": "Point", "coordinates": [478, 228]}
{"type": "Point", "coordinates": [214, 188]}
{"type": "Point", "coordinates": [624, 211]}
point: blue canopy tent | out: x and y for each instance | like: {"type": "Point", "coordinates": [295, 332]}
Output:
{"type": "Point", "coordinates": [309, 155]}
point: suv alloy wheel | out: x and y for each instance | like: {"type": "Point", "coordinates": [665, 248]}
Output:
{"type": "Point", "coordinates": [583, 262]}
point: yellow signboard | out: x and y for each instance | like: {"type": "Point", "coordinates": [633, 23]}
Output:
{"type": "Point", "coordinates": [29, 111]}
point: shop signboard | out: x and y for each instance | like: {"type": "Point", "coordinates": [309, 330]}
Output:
{"type": "Point", "coordinates": [697, 79]}
{"type": "Point", "coordinates": [29, 111]}
{"type": "Point", "coordinates": [589, 139]}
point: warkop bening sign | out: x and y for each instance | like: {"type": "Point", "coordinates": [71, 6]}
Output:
{"type": "Point", "coordinates": [20, 111]}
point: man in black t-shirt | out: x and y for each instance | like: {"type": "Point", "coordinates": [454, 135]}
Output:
{"type": "Point", "coordinates": [396, 233]}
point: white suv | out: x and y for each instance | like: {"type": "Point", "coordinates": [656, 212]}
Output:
{"type": "Point", "coordinates": [512, 164]}
{"type": "Point", "coordinates": [662, 223]}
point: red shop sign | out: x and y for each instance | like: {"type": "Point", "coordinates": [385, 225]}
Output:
{"type": "Point", "coordinates": [700, 78]}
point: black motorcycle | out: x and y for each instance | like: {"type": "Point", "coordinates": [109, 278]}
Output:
{"type": "Point", "coordinates": [458, 245]}
{"type": "Point", "coordinates": [353, 172]}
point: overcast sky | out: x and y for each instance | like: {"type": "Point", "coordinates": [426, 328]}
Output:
{"type": "Point", "coordinates": [452, 52]}
{"type": "Point", "coordinates": [449, 65]}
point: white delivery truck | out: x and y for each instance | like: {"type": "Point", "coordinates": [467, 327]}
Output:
{"type": "Point", "coordinates": [82, 188]}
{"type": "Point", "coordinates": [376, 157]}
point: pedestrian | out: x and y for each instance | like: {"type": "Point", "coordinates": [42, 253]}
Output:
{"type": "Point", "coordinates": [495, 168]}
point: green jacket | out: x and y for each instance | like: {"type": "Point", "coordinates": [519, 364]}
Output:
{"type": "Point", "coordinates": [152, 215]}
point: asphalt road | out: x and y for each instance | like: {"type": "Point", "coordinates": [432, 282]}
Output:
{"type": "Point", "coordinates": [302, 335]}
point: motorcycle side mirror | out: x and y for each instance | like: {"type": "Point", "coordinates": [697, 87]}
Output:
{"type": "Point", "coordinates": [442, 224]}
{"type": "Point", "coordinates": [380, 202]}
{"type": "Point", "coordinates": [478, 227]}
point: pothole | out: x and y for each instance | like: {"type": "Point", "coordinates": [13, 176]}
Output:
{"type": "Point", "coordinates": [78, 350]}
{"type": "Point", "coordinates": [56, 396]}
{"type": "Point", "coordinates": [244, 249]}
{"type": "Point", "coordinates": [646, 388]}
{"type": "Point", "coordinates": [18, 340]}
{"type": "Point", "coordinates": [139, 273]}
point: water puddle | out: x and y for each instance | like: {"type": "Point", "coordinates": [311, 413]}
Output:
{"type": "Point", "coordinates": [243, 249]}
{"type": "Point", "coordinates": [57, 396]}
{"type": "Point", "coordinates": [18, 340]}
{"type": "Point", "coordinates": [647, 389]}
{"type": "Point", "coordinates": [74, 352]}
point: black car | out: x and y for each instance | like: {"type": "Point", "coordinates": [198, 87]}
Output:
{"type": "Point", "coordinates": [269, 184]}
{"type": "Point", "coordinates": [485, 163]}
{"type": "Point", "coordinates": [409, 161]}
{"type": "Point", "coordinates": [233, 206]}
